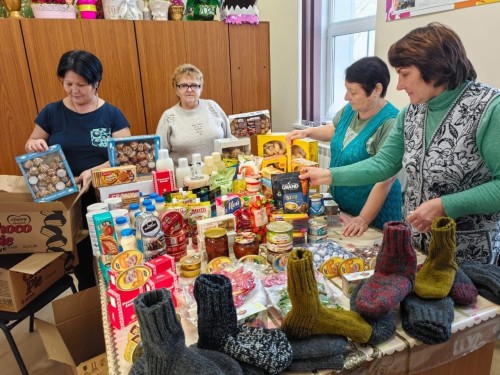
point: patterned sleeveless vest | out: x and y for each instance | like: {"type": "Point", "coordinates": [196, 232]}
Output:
{"type": "Point", "coordinates": [351, 199]}
{"type": "Point", "coordinates": [450, 164]}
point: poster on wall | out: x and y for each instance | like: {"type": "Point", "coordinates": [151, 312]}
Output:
{"type": "Point", "coordinates": [399, 9]}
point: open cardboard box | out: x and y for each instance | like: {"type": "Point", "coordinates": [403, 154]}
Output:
{"type": "Point", "coordinates": [76, 338]}
{"type": "Point", "coordinates": [24, 277]}
{"type": "Point", "coordinates": [30, 227]}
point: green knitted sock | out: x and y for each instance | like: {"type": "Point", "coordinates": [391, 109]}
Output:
{"type": "Point", "coordinates": [307, 316]}
{"type": "Point", "coordinates": [435, 278]}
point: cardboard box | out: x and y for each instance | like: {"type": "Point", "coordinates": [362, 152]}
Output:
{"type": "Point", "coordinates": [29, 227]}
{"type": "Point", "coordinates": [350, 280]}
{"type": "Point", "coordinates": [250, 123]}
{"type": "Point", "coordinates": [24, 277]}
{"type": "Point", "coordinates": [141, 151]}
{"type": "Point", "coordinates": [305, 148]}
{"type": "Point", "coordinates": [47, 174]}
{"type": "Point", "coordinates": [124, 190]}
{"type": "Point", "coordinates": [121, 307]}
{"type": "Point", "coordinates": [114, 176]}
{"type": "Point", "coordinates": [76, 339]}
{"type": "Point", "coordinates": [272, 144]}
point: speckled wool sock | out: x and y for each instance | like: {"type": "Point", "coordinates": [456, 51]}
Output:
{"type": "Point", "coordinates": [394, 275]}
{"type": "Point", "coordinates": [307, 316]}
{"type": "Point", "coordinates": [382, 328]}
{"type": "Point", "coordinates": [435, 278]}
{"type": "Point", "coordinates": [486, 278]}
{"type": "Point", "coordinates": [427, 320]}
{"type": "Point", "coordinates": [218, 330]}
{"type": "Point", "coordinates": [463, 292]}
{"type": "Point", "coordinates": [163, 339]}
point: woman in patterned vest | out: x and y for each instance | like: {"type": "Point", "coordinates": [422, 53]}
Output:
{"type": "Point", "coordinates": [446, 140]}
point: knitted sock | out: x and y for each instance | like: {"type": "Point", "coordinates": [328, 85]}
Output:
{"type": "Point", "coordinates": [333, 362]}
{"type": "Point", "coordinates": [463, 292]}
{"type": "Point", "coordinates": [218, 330]}
{"type": "Point", "coordinates": [249, 369]}
{"type": "Point", "coordinates": [394, 275]}
{"type": "Point", "coordinates": [307, 316]}
{"type": "Point", "coordinates": [163, 341]}
{"type": "Point", "coordinates": [435, 278]}
{"type": "Point", "coordinates": [227, 364]}
{"type": "Point", "coordinates": [383, 328]}
{"type": "Point", "coordinates": [318, 346]}
{"type": "Point", "coordinates": [486, 278]}
{"type": "Point", "coordinates": [427, 320]}
{"type": "Point", "coordinates": [138, 367]}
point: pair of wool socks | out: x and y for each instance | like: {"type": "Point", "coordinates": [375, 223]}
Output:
{"type": "Point", "coordinates": [266, 349]}
{"type": "Point", "coordinates": [307, 316]}
{"type": "Point", "coordinates": [163, 341]}
{"type": "Point", "coordinates": [318, 352]}
{"type": "Point", "coordinates": [436, 277]}
{"type": "Point", "coordinates": [486, 278]}
{"type": "Point", "coordinates": [394, 275]}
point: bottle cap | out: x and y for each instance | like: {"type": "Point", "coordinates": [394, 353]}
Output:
{"type": "Point", "coordinates": [150, 208]}
{"type": "Point", "coordinates": [121, 220]}
{"type": "Point", "coordinates": [208, 160]}
{"type": "Point", "coordinates": [152, 196]}
{"type": "Point", "coordinates": [146, 202]}
{"type": "Point", "coordinates": [216, 156]}
{"type": "Point", "coordinates": [196, 158]}
{"type": "Point", "coordinates": [134, 206]}
{"type": "Point", "coordinates": [159, 199]}
{"type": "Point", "coordinates": [163, 153]}
{"type": "Point", "coordinates": [183, 162]}
{"type": "Point", "coordinates": [127, 232]}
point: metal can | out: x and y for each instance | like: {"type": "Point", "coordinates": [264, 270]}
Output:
{"type": "Point", "coordinates": [279, 236]}
{"type": "Point", "coordinates": [315, 239]}
{"type": "Point", "coordinates": [317, 227]}
{"type": "Point", "coordinates": [316, 206]}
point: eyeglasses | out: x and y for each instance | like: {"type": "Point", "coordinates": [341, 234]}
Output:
{"type": "Point", "coordinates": [192, 86]}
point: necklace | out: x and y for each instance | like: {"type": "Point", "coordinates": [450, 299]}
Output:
{"type": "Point", "coordinates": [77, 111]}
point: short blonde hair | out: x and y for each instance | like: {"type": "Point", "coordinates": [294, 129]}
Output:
{"type": "Point", "coordinates": [186, 70]}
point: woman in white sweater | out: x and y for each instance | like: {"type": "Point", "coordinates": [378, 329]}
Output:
{"type": "Point", "coordinates": [192, 124]}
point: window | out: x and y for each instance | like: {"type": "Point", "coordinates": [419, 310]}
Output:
{"type": "Point", "coordinates": [350, 35]}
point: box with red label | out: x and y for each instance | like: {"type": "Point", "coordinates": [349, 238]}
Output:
{"type": "Point", "coordinates": [121, 307]}
{"type": "Point", "coordinates": [161, 264]}
{"type": "Point", "coordinates": [114, 175]}
{"type": "Point", "coordinates": [163, 181]}
{"type": "Point", "coordinates": [126, 190]}
{"type": "Point", "coordinates": [164, 280]}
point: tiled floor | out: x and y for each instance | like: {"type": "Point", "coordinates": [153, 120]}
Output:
{"type": "Point", "coordinates": [36, 360]}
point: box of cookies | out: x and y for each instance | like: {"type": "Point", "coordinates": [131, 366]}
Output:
{"type": "Point", "coordinates": [114, 175]}
{"type": "Point", "coordinates": [141, 151]}
{"type": "Point", "coordinates": [231, 148]}
{"type": "Point", "coordinates": [47, 174]}
{"type": "Point", "coordinates": [250, 123]}
{"type": "Point", "coordinates": [305, 148]}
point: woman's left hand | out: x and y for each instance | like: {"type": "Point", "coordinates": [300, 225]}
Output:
{"type": "Point", "coordinates": [355, 227]}
{"type": "Point", "coordinates": [422, 218]}
{"type": "Point", "coordinates": [85, 178]}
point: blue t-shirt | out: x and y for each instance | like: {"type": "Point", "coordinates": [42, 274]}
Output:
{"type": "Point", "coordinates": [83, 137]}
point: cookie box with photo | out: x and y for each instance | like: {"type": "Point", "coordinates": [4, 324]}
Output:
{"type": "Point", "coordinates": [141, 151]}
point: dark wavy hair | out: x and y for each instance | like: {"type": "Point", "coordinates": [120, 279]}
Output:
{"type": "Point", "coordinates": [83, 63]}
{"type": "Point", "coordinates": [369, 71]}
{"type": "Point", "coordinates": [437, 52]}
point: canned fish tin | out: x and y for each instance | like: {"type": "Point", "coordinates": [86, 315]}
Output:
{"type": "Point", "coordinates": [315, 239]}
{"type": "Point", "coordinates": [316, 206]}
{"type": "Point", "coordinates": [279, 236]}
{"type": "Point", "coordinates": [278, 261]}
{"type": "Point", "coordinates": [133, 278]}
{"type": "Point", "coordinates": [317, 227]}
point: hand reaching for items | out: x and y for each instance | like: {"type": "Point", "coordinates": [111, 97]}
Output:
{"type": "Point", "coordinates": [421, 219]}
{"type": "Point", "coordinates": [355, 227]}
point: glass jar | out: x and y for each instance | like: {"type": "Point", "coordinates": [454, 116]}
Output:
{"type": "Point", "coordinates": [216, 243]}
{"type": "Point", "coordinates": [245, 243]}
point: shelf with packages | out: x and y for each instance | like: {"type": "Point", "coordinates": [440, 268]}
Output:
{"type": "Point", "coordinates": [470, 349]}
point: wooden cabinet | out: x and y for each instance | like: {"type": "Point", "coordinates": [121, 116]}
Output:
{"type": "Point", "coordinates": [138, 60]}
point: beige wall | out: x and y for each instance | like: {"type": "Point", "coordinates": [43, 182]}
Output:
{"type": "Point", "coordinates": [478, 27]}
{"type": "Point", "coordinates": [285, 30]}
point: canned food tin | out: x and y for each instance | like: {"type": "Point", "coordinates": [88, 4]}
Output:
{"type": "Point", "coordinates": [315, 239]}
{"type": "Point", "coordinates": [331, 267]}
{"type": "Point", "coordinates": [126, 259]}
{"type": "Point", "coordinates": [190, 273]}
{"type": "Point", "coordinates": [316, 206]}
{"type": "Point", "coordinates": [191, 262]}
{"type": "Point", "coordinates": [279, 236]}
{"type": "Point", "coordinates": [317, 227]}
{"type": "Point", "coordinates": [219, 263]}
{"type": "Point", "coordinates": [278, 261]}
{"type": "Point", "coordinates": [175, 239]}
{"type": "Point", "coordinates": [351, 265]}
{"type": "Point", "coordinates": [133, 278]}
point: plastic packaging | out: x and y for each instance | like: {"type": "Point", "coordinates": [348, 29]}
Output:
{"type": "Point", "coordinates": [128, 240]}
{"type": "Point", "coordinates": [164, 161]}
{"type": "Point", "coordinates": [133, 209]}
{"type": "Point", "coordinates": [146, 202]}
{"type": "Point", "coordinates": [159, 204]}
{"type": "Point", "coordinates": [208, 166]}
{"type": "Point", "coordinates": [219, 164]}
{"type": "Point", "coordinates": [152, 209]}
{"type": "Point", "coordinates": [182, 171]}
{"type": "Point", "coordinates": [121, 224]}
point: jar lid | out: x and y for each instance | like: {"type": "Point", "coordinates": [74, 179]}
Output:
{"type": "Point", "coordinates": [280, 226]}
{"type": "Point", "coordinates": [244, 237]}
{"type": "Point", "coordinates": [215, 232]}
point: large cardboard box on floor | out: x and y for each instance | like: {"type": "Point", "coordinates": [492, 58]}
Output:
{"type": "Point", "coordinates": [24, 277]}
{"type": "Point", "coordinates": [76, 338]}
{"type": "Point", "coordinates": [30, 227]}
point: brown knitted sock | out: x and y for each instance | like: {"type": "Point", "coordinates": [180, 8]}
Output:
{"type": "Point", "coordinates": [307, 316]}
{"type": "Point", "coordinates": [435, 278]}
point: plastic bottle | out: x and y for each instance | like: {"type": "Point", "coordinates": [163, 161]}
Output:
{"type": "Point", "coordinates": [182, 171]}
{"type": "Point", "coordinates": [218, 160]}
{"type": "Point", "coordinates": [133, 208]}
{"type": "Point", "coordinates": [146, 202]}
{"type": "Point", "coordinates": [121, 224]}
{"type": "Point", "coordinates": [208, 166]}
{"type": "Point", "coordinates": [128, 240]}
{"type": "Point", "coordinates": [159, 204]}
{"type": "Point", "coordinates": [153, 196]}
{"type": "Point", "coordinates": [164, 161]}
{"type": "Point", "coordinates": [196, 165]}
{"type": "Point", "coordinates": [152, 209]}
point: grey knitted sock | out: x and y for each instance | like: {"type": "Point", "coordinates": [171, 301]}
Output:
{"type": "Point", "coordinates": [334, 362]}
{"type": "Point", "coordinates": [249, 369]}
{"type": "Point", "coordinates": [383, 328]}
{"type": "Point", "coordinates": [318, 346]}
{"type": "Point", "coordinates": [139, 367]}
{"type": "Point", "coordinates": [267, 349]}
{"type": "Point", "coordinates": [227, 364]}
{"type": "Point", "coordinates": [427, 320]}
{"type": "Point", "coordinates": [486, 278]}
{"type": "Point", "coordinates": [463, 292]}
{"type": "Point", "coordinates": [165, 351]}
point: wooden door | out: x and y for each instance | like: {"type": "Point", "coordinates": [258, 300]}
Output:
{"type": "Point", "coordinates": [250, 67]}
{"type": "Point", "coordinates": [113, 42]}
{"type": "Point", "coordinates": [17, 103]}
